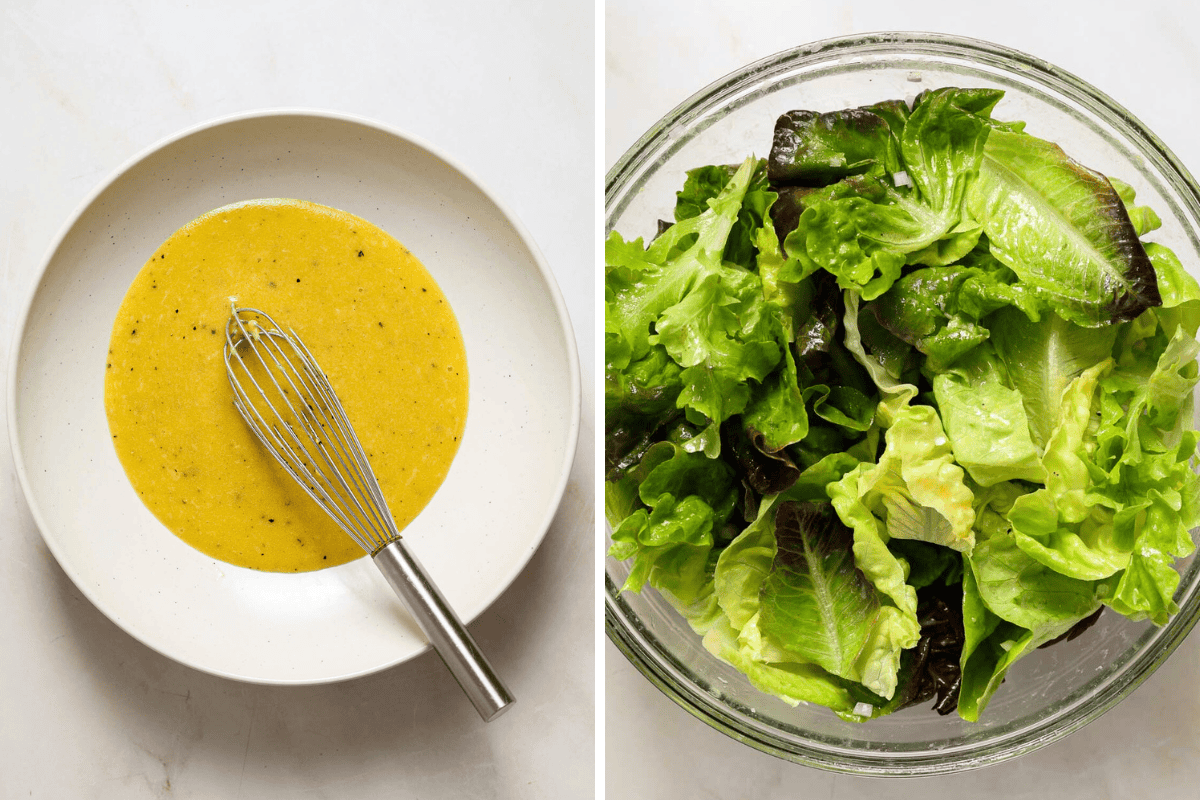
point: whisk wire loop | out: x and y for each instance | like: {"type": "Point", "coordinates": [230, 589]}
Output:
{"type": "Point", "coordinates": [325, 456]}
{"type": "Point", "coordinates": [294, 412]}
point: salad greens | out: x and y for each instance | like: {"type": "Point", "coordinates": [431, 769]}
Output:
{"type": "Point", "coordinates": [897, 405]}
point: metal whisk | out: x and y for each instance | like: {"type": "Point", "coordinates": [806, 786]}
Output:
{"type": "Point", "coordinates": [288, 403]}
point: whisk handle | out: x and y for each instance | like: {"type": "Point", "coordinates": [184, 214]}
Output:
{"type": "Point", "coordinates": [443, 629]}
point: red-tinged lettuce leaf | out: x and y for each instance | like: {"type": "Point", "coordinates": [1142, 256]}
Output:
{"type": "Point", "coordinates": [864, 229]}
{"type": "Point", "coordinates": [638, 402]}
{"type": "Point", "coordinates": [1063, 229]}
{"type": "Point", "coordinates": [764, 471]}
{"type": "Point", "coordinates": [932, 669]}
{"type": "Point", "coordinates": [816, 149]}
{"type": "Point", "coordinates": [1143, 218]}
{"type": "Point", "coordinates": [817, 604]}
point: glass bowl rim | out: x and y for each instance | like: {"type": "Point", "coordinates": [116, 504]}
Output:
{"type": "Point", "coordinates": [1118, 686]}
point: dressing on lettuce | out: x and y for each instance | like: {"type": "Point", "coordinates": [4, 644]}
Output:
{"type": "Point", "coordinates": [897, 405]}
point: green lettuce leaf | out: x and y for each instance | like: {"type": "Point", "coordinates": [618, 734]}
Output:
{"type": "Point", "coordinates": [1011, 606]}
{"type": "Point", "coordinates": [864, 229]}
{"type": "Point", "coordinates": [777, 408]}
{"type": "Point", "coordinates": [939, 355]}
{"type": "Point", "coordinates": [991, 646]}
{"type": "Point", "coordinates": [685, 497]}
{"type": "Point", "coordinates": [706, 183]}
{"type": "Point", "coordinates": [1066, 526]}
{"type": "Point", "coordinates": [794, 682]}
{"type": "Point", "coordinates": [1176, 285]}
{"type": "Point", "coordinates": [1022, 591]}
{"type": "Point", "coordinates": [708, 314]}
{"type": "Point", "coordinates": [916, 490]}
{"type": "Point", "coordinates": [985, 420]}
{"type": "Point", "coordinates": [744, 564]}
{"type": "Point", "coordinates": [1042, 358]}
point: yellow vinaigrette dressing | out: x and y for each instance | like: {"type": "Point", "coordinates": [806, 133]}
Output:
{"type": "Point", "coordinates": [376, 322]}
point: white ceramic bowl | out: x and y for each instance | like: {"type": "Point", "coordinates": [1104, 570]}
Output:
{"type": "Point", "coordinates": [476, 534]}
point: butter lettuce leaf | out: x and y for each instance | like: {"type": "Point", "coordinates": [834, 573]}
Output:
{"type": "Point", "coordinates": [985, 420]}
{"type": "Point", "coordinates": [1011, 606]}
{"type": "Point", "coordinates": [1042, 358]}
{"type": "Point", "coordinates": [916, 490]}
{"type": "Point", "coordinates": [793, 681]}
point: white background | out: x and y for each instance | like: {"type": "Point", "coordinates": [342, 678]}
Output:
{"type": "Point", "coordinates": [1143, 54]}
{"type": "Point", "coordinates": [505, 88]}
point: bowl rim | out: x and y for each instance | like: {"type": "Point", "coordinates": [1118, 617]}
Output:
{"type": "Point", "coordinates": [544, 271]}
{"type": "Point", "coordinates": [632, 643]}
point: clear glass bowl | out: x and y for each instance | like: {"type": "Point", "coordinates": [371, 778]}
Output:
{"type": "Point", "coordinates": [1047, 695]}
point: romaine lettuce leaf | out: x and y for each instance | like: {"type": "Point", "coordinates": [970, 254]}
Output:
{"type": "Point", "coordinates": [1143, 218]}
{"type": "Point", "coordinates": [1063, 229]}
{"type": "Point", "coordinates": [815, 603]}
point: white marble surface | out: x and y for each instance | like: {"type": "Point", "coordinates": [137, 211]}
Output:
{"type": "Point", "coordinates": [1144, 55]}
{"type": "Point", "coordinates": [506, 88]}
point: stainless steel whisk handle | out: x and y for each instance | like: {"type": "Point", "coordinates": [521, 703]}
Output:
{"type": "Point", "coordinates": [443, 629]}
